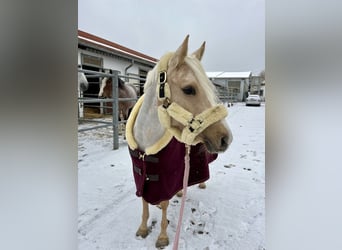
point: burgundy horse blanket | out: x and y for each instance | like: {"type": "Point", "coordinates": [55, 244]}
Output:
{"type": "Point", "coordinates": [159, 176]}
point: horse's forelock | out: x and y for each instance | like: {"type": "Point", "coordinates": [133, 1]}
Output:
{"type": "Point", "coordinates": [202, 78]}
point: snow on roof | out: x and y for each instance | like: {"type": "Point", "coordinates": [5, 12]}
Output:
{"type": "Point", "coordinates": [84, 36]}
{"type": "Point", "coordinates": [223, 74]}
{"type": "Point", "coordinates": [214, 74]}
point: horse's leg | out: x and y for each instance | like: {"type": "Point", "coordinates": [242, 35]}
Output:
{"type": "Point", "coordinates": [143, 229]}
{"type": "Point", "coordinates": [202, 185]}
{"type": "Point", "coordinates": [163, 239]}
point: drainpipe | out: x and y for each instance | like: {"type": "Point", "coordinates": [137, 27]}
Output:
{"type": "Point", "coordinates": [129, 66]}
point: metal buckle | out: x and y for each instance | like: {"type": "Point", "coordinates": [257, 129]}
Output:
{"type": "Point", "coordinates": [142, 156]}
{"type": "Point", "coordinates": [194, 124]}
{"type": "Point", "coordinates": [162, 77]}
{"type": "Point", "coordinates": [162, 90]}
{"type": "Point", "coordinates": [166, 103]}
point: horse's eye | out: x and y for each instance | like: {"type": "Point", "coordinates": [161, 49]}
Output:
{"type": "Point", "coordinates": [189, 90]}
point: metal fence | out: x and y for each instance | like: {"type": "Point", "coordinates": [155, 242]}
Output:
{"type": "Point", "coordinates": [114, 101]}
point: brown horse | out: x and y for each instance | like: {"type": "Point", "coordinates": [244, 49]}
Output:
{"type": "Point", "coordinates": [180, 107]}
{"type": "Point", "coordinates": [126, 90]}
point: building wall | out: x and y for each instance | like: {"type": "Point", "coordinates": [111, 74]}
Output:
{"type": "Point", "coordinates": [238, 88]}
{"type": "Point", "coordinates": [96, 60]}
{"type": "Point", "coordinates": [117, 63]}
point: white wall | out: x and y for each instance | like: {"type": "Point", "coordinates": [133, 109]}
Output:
{"type": "Point", "coordinates": [116, 63]}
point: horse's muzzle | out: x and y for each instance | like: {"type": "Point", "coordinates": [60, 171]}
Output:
{"type": "Point", "coordinates": [221, 145]}
{"type": "Point", "coordinates": [217, 137]}
{"type": "Point", "coordinates": [83, 86]}
{"type": "Point", "coordinates": [224, 143]}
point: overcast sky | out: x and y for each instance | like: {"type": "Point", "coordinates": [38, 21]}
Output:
{"type": "Point", "coordinates": [233, 29]}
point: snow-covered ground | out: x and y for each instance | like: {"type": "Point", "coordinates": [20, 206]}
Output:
{"type": "Point", "coordinates": [228, 214]}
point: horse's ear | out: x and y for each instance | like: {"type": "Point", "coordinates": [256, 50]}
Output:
{"type": "Point", "coordinates": [178, 58]}
{"type": "Point", "coordinates": [199, 53]}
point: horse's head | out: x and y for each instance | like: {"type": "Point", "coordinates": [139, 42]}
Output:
{"type": "Point", "coordinates": [106, 85]}
{"type": "Point", "coordinates": [189, 103]}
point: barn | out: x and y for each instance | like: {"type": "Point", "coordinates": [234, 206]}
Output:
{"type": "Point", "coordinates": [235, 82]}
{"type": "Point", "coordinates": [96, 53]}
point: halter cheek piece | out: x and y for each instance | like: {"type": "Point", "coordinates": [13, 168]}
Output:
{"type": "Point", "coordinates": [162, 83]}
{"type": "Point", "coordinates": [193, 126]}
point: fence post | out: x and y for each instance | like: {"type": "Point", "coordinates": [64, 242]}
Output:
{"type": "Point", "coordinates": [115, 109]}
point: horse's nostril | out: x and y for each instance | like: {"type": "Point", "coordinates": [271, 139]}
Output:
{"type": "Point", "coordinates": [224, 142]}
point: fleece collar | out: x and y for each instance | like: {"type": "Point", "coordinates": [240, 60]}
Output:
{"type": "Point", "coordinates": [161, 143]}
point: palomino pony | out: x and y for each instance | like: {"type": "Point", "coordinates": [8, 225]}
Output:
{"type": "Point", "coordinates": [180, 107]}
{"type": "Point", "coordinates": [126, 90]}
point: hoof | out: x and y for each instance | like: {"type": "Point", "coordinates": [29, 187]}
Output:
{"type": "Point", "coordinates": [202, 185]}
{"type": "Point", "coordinates": [142, 232]}
{"type": "Point", "coordinates": [179, 194]}
{"type": "Point", "coordinates": [162, 242]}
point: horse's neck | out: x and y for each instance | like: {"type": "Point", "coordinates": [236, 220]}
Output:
{"type": "Point", "coordinates": [147, 128]}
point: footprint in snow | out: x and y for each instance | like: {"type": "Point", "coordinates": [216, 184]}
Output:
{"type": "Point", "coordinates": [230, 166]}
{"type": "Point", "coordinates": [201, 219]}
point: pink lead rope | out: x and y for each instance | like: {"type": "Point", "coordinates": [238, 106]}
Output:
{"type": "Point", "coordinates": [185, 186]}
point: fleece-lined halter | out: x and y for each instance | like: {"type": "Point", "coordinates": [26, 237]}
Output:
{"type": "Point", "coordinates": [193, 126]}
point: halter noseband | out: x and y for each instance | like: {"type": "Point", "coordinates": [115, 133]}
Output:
{"type": "Point", "coordinates": [193, 126]}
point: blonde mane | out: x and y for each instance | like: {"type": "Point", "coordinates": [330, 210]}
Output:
{"type": "Point", "coordinates": [152, 77]}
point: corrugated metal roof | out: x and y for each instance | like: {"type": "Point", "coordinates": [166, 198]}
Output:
{"type": "Point", "coordinates": [113, 46]}
{"type": "Point", "coordinates": [223, 74]}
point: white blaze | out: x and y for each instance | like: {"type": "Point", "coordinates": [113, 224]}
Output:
{"type": "Point", "coordinates": [103, 85]}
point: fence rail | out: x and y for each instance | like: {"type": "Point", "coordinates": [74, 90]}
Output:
{"type": "Point", "coordinates": [114, 101]}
